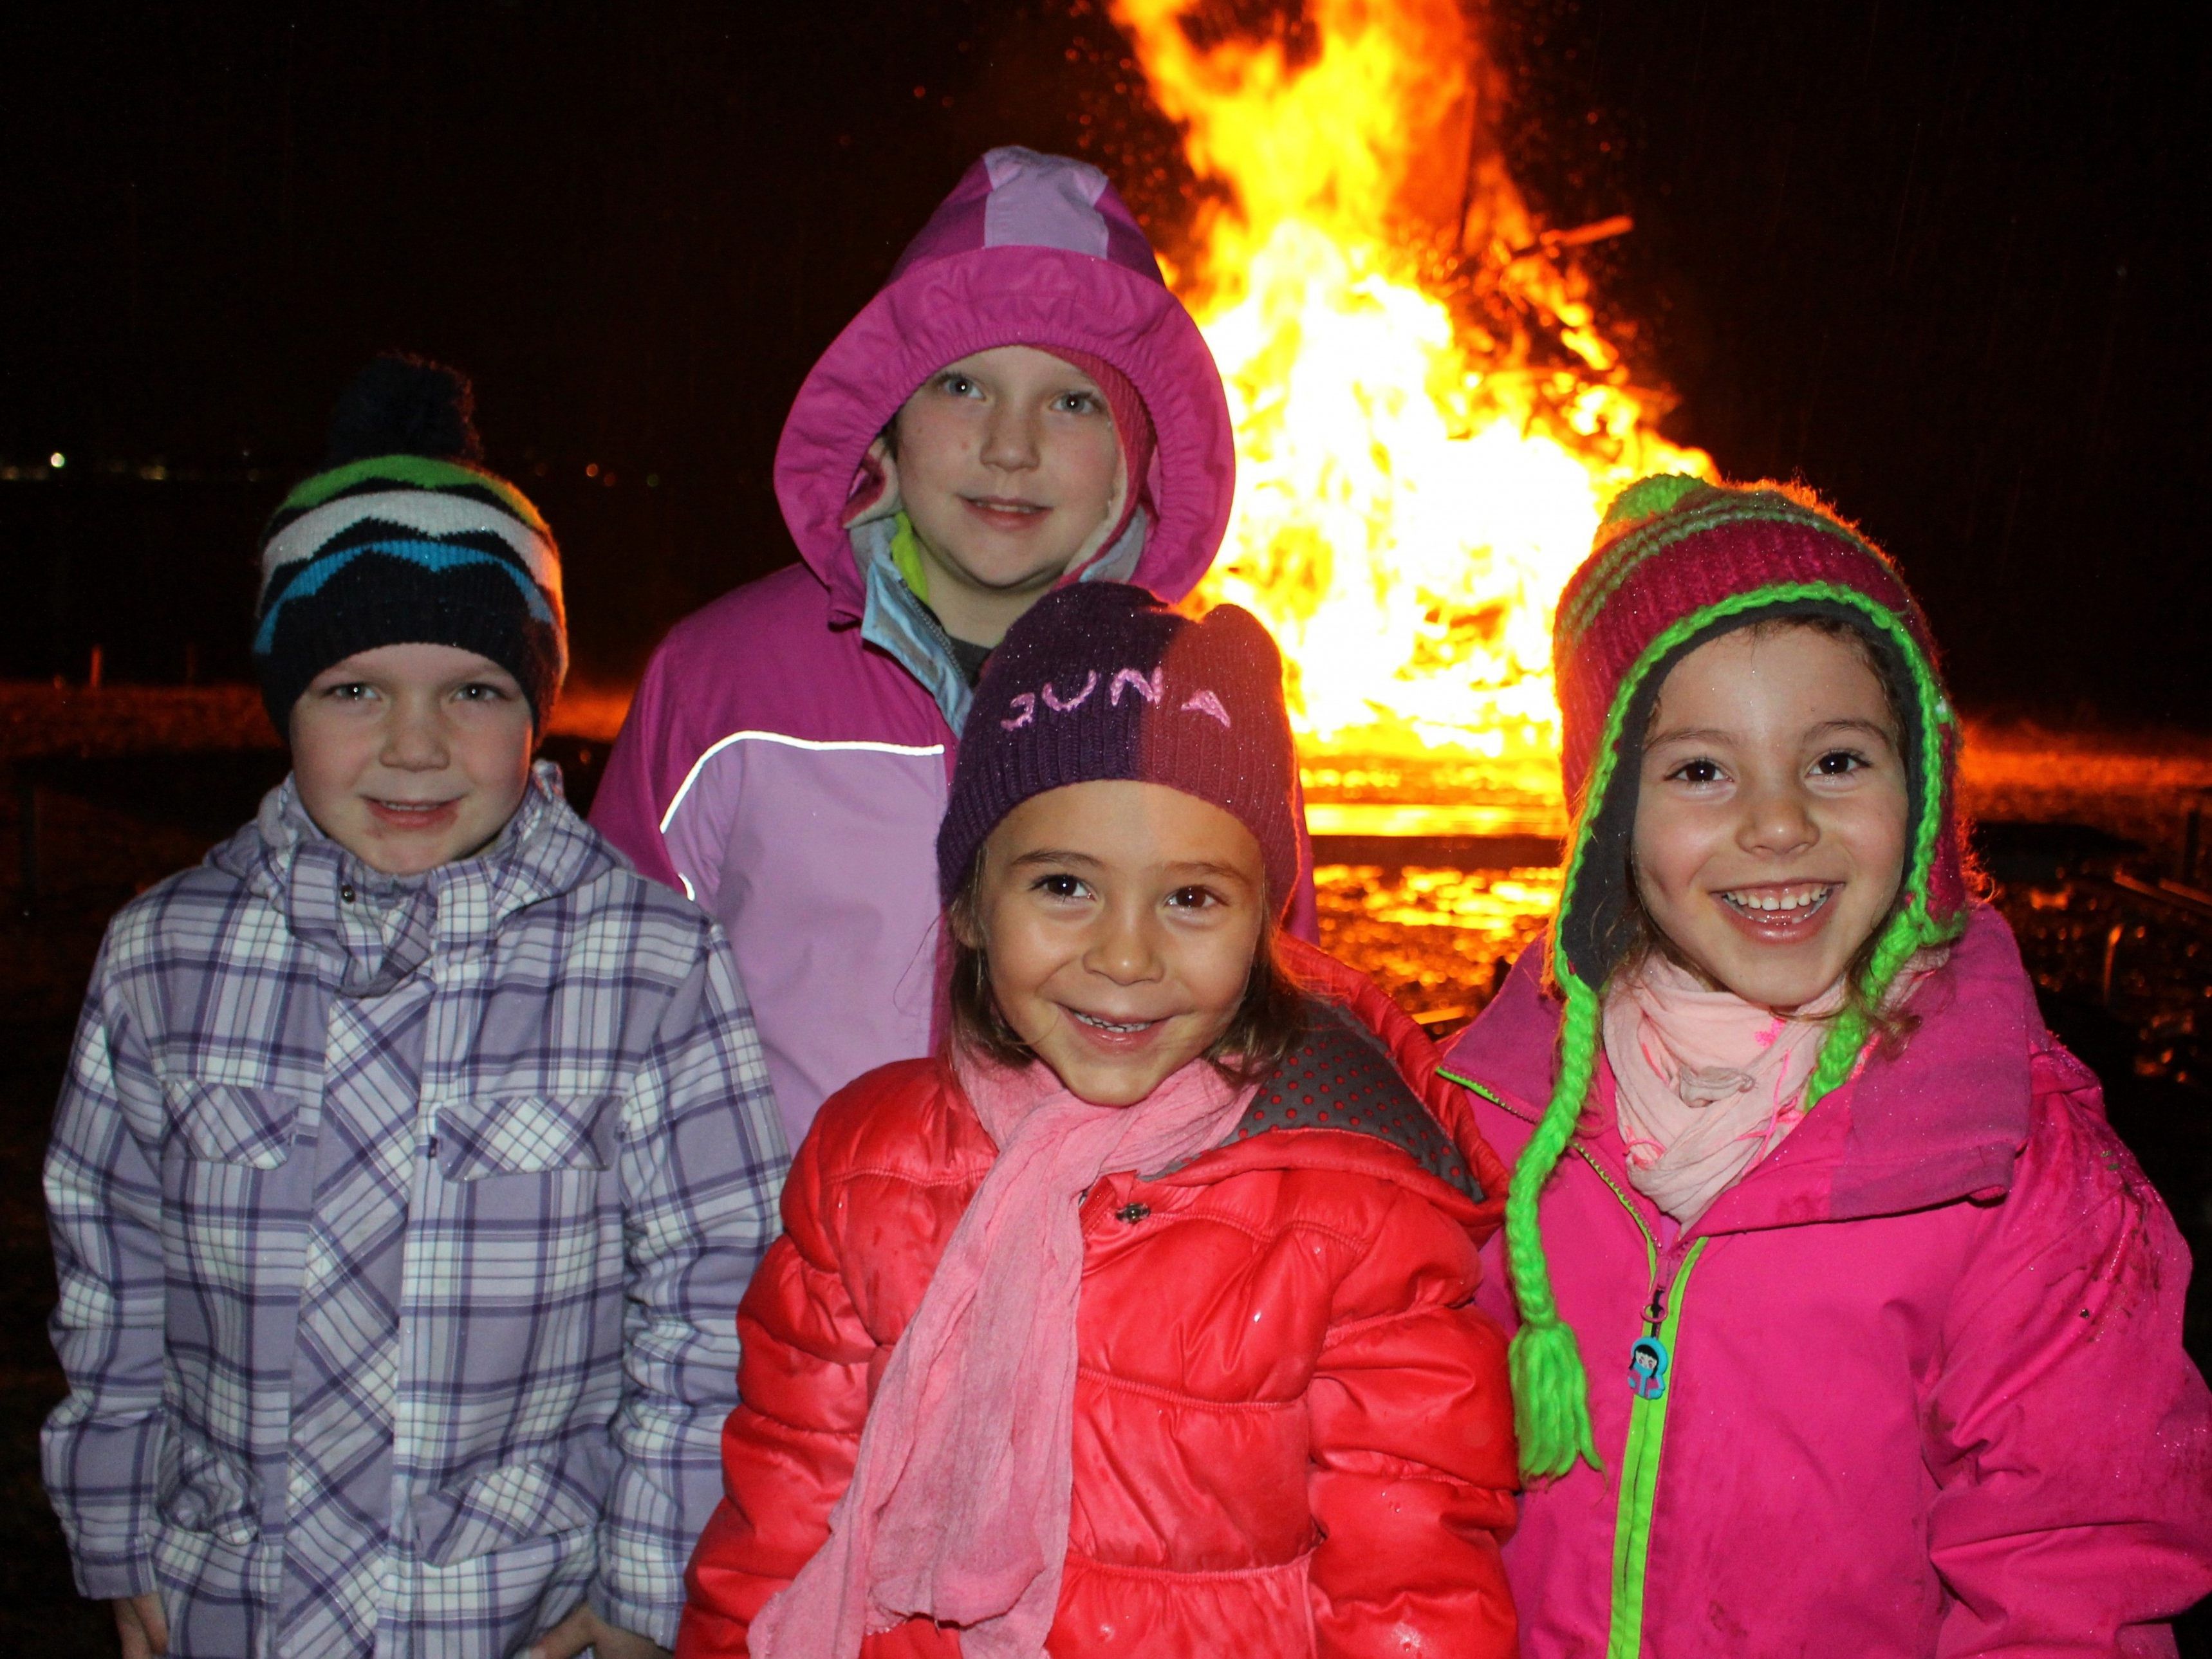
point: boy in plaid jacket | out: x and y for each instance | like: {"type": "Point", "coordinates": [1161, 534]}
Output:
{"type": "Point", "coordinates": [415, 1152]}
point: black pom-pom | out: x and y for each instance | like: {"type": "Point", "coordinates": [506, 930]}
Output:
{"type": "Point", "coordinates": [406, 406]}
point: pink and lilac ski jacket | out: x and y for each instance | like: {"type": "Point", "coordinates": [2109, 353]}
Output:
{"type": "Point", "coordinates": [1913, 1387]}
{"type": "Point", "coordinates": [786, 759]}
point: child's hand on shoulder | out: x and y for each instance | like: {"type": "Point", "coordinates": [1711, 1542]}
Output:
{"type": "Point", "coordinates": [585, 1629]}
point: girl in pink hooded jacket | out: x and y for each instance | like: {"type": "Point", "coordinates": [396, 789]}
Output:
{"type": "Point", "coordinates": [1882, 1323]}
{"type": "Point", "coordinates": [1024, 405]}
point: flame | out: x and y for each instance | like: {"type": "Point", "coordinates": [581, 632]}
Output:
{"type": "Point", "coordinates": [1429, 418]}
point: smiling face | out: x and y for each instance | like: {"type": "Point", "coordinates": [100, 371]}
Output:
{"type": "Point", "coordinates": [1007, 464]}
{"type": "Point", "coordinates": [1119, 923]}
{"type": "Point", "coordinates": [411, 756]}
{"type": "Point", "coordinates": [1771, 817]}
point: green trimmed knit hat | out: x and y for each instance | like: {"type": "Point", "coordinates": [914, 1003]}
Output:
{"type": "Point", "coordinates": [405, 538]}
{"type": "Point", "coordinates": [1678, 562]}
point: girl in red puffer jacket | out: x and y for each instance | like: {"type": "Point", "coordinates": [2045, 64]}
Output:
{"type": "Point", "coordinates": [1140, 1321]}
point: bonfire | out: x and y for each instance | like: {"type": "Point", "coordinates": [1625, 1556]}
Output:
{"type": "Point", "coordinates": [1430, 419]}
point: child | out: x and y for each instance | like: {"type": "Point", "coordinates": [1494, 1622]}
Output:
{"type": "Point", "coordinates": [1024, 405]}
{"type": "Point", "coordinates": [1155, 1292]}
{"type": "Point", "coordinates": [415, 1152]}
{"type": "Point", "coordinates": [1822, 1201]}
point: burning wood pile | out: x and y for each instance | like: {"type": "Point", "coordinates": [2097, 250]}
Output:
{"type": "Point", "coordinates": [1430, 422]}
{"type": "Point", "coordinates": [1430, 419]}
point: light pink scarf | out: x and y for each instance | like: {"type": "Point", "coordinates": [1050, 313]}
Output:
{"type": "Point", "coordinates": [1706, 1082]}
{"type": "Point", "coordinates": [958, 1508]}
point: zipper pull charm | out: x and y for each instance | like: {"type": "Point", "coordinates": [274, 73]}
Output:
{"type": "Point", "coordinates": [1648, 1360]}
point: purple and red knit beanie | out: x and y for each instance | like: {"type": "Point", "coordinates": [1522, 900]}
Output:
{"type": "Point", "coordinates": [1099, 682]}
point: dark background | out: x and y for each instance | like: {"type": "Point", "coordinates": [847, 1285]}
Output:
{"type": "Point", "coordinates": [1943, 262]}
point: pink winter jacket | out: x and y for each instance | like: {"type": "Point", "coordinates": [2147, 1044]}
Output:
{"type": "Point", "coordinates": [1918, 1387]}
{"type": "Point", "coordinates": [786, 759]}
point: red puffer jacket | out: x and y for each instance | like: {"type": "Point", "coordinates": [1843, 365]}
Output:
{"type": "Point", "coordinates": [1292, 1433]}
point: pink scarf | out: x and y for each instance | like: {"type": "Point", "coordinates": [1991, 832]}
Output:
{"type": "Point", "coordinates": [958, 1508]}
{"type": "Point", "coordinates": [1706, 1083]}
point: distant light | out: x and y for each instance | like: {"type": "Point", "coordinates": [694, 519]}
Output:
{"type": "Point", "coordinates": [592, 470]}
{"type": "Point", "coordinates": [57, 460]}
{"type": "Point", "coordinates": [653, 481]}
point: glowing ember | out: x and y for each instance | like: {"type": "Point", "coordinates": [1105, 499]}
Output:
{"type": "Point", "coordinates": [1438, 940]}
{"type": "Point", "coordinates": [1429, 421]}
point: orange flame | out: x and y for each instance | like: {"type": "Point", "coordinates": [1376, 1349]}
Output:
{"type": "Point", "coordinates": [1429, 420]}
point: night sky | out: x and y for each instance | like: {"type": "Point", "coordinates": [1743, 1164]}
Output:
{"type": "Point", "coordinates": [1947, 264]}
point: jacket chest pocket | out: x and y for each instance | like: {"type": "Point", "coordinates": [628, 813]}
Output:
{"type": "Point", "coordinates": [526, 1178]}
{"type": "Point", "coordinates": [230, 1123]}
{"type": "Point", "coordinates": [528, 1134]}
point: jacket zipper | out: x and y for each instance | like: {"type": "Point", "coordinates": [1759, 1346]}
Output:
{"type": "Point", "coordinates": [1654, 1371]}
{"type": "Point", "coordinates": [1654, 1381]}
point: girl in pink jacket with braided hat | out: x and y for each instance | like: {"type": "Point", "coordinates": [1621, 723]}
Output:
{"type": "Point", "coordinates": [1845, 1322]}
{"type": "Point", "coordinates": [1024, 405]}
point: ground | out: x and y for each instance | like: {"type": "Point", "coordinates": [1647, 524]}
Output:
{"type": "Point", "coordinates": [2085, 838]}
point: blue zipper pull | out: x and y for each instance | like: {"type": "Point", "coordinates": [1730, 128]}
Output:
{"type": "Point", "coordinates": [1648, 1358]}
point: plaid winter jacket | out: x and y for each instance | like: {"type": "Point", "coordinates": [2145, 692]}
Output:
{"type": "Point", "coordinates": [400, 1228]}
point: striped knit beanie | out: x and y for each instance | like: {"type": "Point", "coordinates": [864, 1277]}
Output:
{"type": "Point", "coordinates": [1678, 562]}
{"type": "Point", "coordinates": [404, 538]}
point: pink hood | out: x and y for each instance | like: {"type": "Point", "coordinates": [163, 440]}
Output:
{"type": "Point", "coordinates": [1028, 250]}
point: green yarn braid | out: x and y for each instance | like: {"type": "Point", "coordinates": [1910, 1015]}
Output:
{"type": "Point", "coordinates": [1847, 1037]}
{"type": "Point", "coordinates": [1911, 929]}
{"type": "Point", "coordinates": [1551, 1391]}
